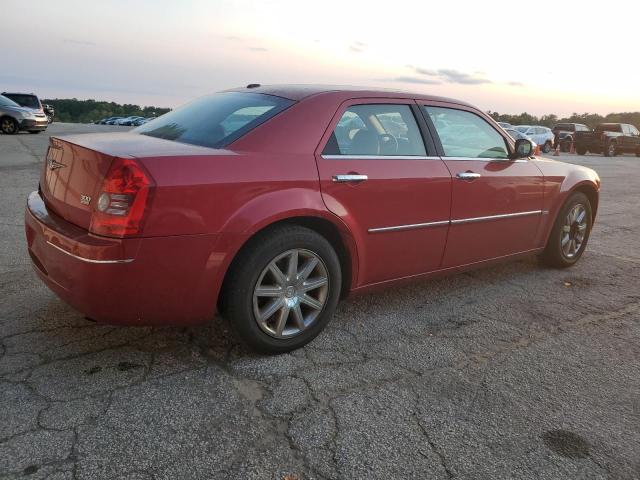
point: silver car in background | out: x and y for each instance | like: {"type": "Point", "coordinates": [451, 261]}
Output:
{"type": "Point", "coordinates": [543, 136]}
{"type": "Point", "coordinates": [14, 118]}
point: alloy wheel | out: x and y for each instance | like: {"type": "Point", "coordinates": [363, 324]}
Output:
{"type": "Point", "coordinates": [8, 126]}
{"type": "Point", "coordinates": [290, 293]}
{"type": "Point", "coordinates": [574, 231]}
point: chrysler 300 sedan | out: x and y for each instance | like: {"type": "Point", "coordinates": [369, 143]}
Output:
{"type": "Point", "coordinates": [270, 203]}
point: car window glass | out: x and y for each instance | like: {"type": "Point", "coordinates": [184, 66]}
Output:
{"type": "Point", "coordinates": [215, 120]}
{"type": "Point", "coordinates": [465, 134]}
{"type": "Point", "coordinates": [29, 101]}
{"type": "Point", "coordinates": [376, 130]}
{"type": "Point", "coordinates": [626, 130]}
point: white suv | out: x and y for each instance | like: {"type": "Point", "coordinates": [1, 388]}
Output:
{"type": "Point", "coordinates": [543, 136]}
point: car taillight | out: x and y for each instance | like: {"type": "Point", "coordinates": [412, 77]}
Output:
{"type": "Point", "coordinates": [123, 199]}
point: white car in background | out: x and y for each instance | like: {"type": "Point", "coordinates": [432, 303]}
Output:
{"type": "Point", "coordinates": [543, 136]}
{"type": "Point", "coordinates": [516, 135]}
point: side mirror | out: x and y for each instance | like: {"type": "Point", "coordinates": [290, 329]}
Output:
{"type": "Point", "coordinates": [523, 149]}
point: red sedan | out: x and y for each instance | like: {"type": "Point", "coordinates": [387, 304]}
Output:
{"type": "Point", "coordinates": [271, 203]}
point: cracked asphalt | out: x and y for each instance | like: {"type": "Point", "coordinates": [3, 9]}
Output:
{"type": "Point", "coordinates": [515, 371]}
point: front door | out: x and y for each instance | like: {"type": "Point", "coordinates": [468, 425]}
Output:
{"type": "Point", "coordinates": [377, 174]}
{"type": "Point", "coordinates": [497, 202]}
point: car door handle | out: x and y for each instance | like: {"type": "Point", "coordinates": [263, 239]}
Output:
{"type": "Point", "coordinates": [467, 175]}
{"type": "Point", "coordinates": [349, 178]}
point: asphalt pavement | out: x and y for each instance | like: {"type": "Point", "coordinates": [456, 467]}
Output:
{"type": "Point", "coordinates": [511, 372]}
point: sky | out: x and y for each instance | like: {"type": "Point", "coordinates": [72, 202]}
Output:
{"type": "Point", "coordinates": [541, 57]}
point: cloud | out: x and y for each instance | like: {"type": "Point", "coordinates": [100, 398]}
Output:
{"type": "Point", "coordinates": [258, 49]}
{"type": "Point", "coordinates": [79, 42]}
{"type": "Point", "coordinates": [358, 47]}
{"type": "Point", "coordinates": [409, 79]}
{"type": "Point", "coordinates": [515, 84]}
{"type": "Point", "coordinates": [448, 75]}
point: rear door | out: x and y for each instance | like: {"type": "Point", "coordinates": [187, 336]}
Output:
{"type": "Point", "coordinates": [497, 202]}
{"type": "Point", "coordinates": [382, 177]}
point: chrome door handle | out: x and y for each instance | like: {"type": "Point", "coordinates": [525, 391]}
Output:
{"type": "Point", "coordinates": [349, 178]}
{"type": "Point", "coordinates": [467, 176]}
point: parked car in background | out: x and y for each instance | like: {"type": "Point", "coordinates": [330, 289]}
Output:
{"type": "Point", "coordinates": [113, 120]}
{"type": "Point", "coordinates": [515, 134]}
{"type": "Point", "coordinates": [566, 133]}
{"type": "Point", "coordinates": [31, 102]}
{"type": "Point", "coordinates": [543, 136]}
{"type": "Point", "coordinates": [610, 139]}
{"type": "Point", "coordinates": [505, 125]}
{"type": "Point", "coordinates": [271, 203]}
{"type": "Point", "coordinates": [14, 118]}
{"type": "Point", "coordinates": [128, 121]}
{"type": "Point", "coordinates": [141, 121]}
{"type": "Point", "coordinates": [49, 111]}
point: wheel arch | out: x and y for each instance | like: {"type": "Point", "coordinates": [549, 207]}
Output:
{"type": "Point", "coordinates": [592, 194]}
{"type": "Point", "coordinates": [336, 234]}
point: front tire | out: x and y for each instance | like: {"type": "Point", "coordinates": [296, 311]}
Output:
{"type": "Point", "coordinates": [570, 233]}
{"type": "Point", "coordinates": [8, 126]}
{"type": "Point", "coordinates": [581, 150]}
{"type": "Point", "coordinates": [546, 148]}
{"type": "Point", "coordinates": [283, 289]}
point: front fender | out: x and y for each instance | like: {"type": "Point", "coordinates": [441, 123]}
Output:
{"type": "Point", "coordinates": [560, 181]}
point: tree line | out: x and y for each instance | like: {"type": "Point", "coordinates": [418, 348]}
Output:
{"type": "Point", "coordinates": [85, 111]}
{"type": "Point", "coordinates": [588, 119]}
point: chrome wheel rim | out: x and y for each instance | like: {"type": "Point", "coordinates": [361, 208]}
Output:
{"type": "Point", "coordinates": [574, 231]}
{"type": "Point", "coordinates": [290, 293]}
{"type": "Point", "coordinates": [612, 150]}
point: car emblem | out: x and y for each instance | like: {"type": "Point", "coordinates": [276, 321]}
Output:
{"type": "Point", "coordinates": [53, 165]}
{"type": "Point", "coordinates": [85, 199]}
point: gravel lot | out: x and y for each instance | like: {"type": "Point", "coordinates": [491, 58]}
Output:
{"type": "Point", "coordinates": [515, 371]}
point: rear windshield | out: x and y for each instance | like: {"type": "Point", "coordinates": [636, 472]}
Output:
{"type": "Point", "coordinates": [30, 101]}
{"type": "Point", "coordinates": [7, 102]}
{"type": "Point", "coordinates": [609, 128]}
{"type": "Point", "coordinates": [215, 120]}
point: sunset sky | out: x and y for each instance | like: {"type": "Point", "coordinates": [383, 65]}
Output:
{"type": "Point", "coordinates": [557, 57]}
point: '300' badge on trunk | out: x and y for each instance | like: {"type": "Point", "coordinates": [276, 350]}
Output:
{"type": "Point", "coordinates": [85, 199]}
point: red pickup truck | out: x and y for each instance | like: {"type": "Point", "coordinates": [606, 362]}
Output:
{"type": "Point", "coordinates": [610, 139]}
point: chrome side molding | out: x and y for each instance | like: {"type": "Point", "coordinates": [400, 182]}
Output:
{"type": "Point", "coordinates": [495, 217]}
{"type": "Point", "coordinates": [456, 221]}
{"type": "Point", "coordinates": [409, 227]}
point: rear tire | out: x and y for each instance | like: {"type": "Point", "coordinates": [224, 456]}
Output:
{"type": "Point", "coordinates": [266, 296]}
{"type": "Point", "coordinates": [8, 126]}
{"type": "Point", "coordinates": [546, 148]}
{"type": "Point", "coordinates": [570, 233]}
{"type": "Point", "coordinates": [581, 150]}
{"type": "Point", "coordinates": [611, 150]}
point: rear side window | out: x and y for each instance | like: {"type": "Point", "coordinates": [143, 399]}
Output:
{"type": "Point", "coordinates": [29, 101]}
{"type": "Point", "coordinates": [215, 120]}
{"type": "Point", "coordinates": [376, 130]}
{"type": "Point", "coordinates": [465, 134]}
{"type": "Point", "coordinates": [609, 128]}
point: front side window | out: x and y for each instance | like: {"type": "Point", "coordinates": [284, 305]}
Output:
{"type": "Point", "coordinates": [376, 130]}
{"type": "Point", "coordinates": [215, 120]}
{"type": "Point", "coordinates": [465, 134]}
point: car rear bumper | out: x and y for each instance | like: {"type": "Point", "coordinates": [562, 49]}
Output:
{"type": "Point", "coordinates": [137, 281]}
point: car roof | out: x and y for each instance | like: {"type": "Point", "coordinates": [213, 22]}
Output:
{"type": "Point", "coordinates": [19, 93]}
{"type": "Point", "coordinates": [300, 91]}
